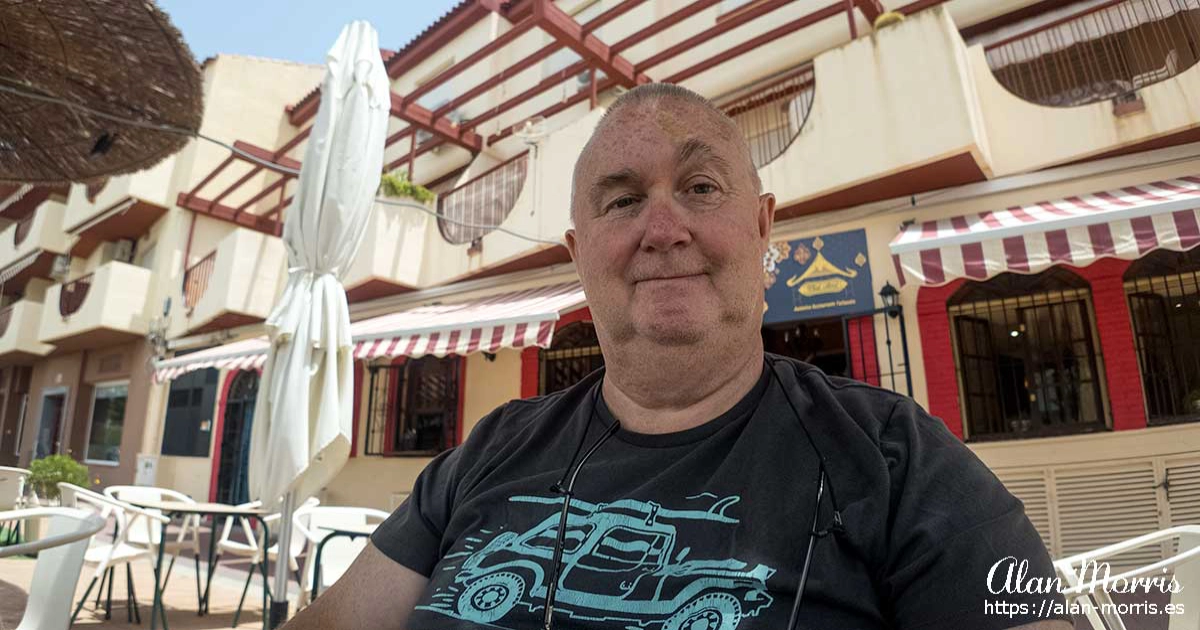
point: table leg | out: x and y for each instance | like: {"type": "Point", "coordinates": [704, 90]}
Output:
{"type": "Point", "coordinates": [212, 544]}
{"type": "Point", "coordinates": [266, 609]}
{"type": "Point", "coordinates": [158, 608]}
{"type": "Point", "coordinates": [316, 586]}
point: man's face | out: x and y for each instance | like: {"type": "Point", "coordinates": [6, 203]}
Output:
{"type": "Point", "coordinates": [669, 229]}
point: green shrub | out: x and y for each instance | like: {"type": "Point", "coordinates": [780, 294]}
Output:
{"type": "Point", "coordinates": [398, 186]}
{"type": "Point", "coordinates": [46, 473]}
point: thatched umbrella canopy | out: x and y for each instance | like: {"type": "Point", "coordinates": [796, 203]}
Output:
{"type": "Point", "coordinates": [120, 58]}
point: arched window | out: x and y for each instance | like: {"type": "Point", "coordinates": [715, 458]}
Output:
{"type": "Point", "coordinates": [1026, 360]}
{"type": "Point", "coordinates": [1164, 303]}
{"type": "Point", "coordinates": [574, 354]}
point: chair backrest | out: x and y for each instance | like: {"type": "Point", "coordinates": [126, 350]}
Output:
{"type": "Point", "coordinates": [1083, 585]}
{"type": "Point", "coordinates": [129, 518]}
{"type": "Point", "coordinates": [12, 486]}
{"type": "Point", "coordinates": [141, 532]}
{"type": "Point", "coordinates": [59, 560]}
{"type": "Point", "coordinates": [339, 552]}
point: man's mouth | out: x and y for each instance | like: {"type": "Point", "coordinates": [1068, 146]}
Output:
{"type": "Point", "coordinates": [684, 276]}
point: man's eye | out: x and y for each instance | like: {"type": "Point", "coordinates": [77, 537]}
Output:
{"type": "Point", "coordinates": [623, 202]}
{"type": "Point", "coordinates": [702, 188]}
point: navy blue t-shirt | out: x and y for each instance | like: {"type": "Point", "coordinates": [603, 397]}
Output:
{"type": "Point", "coordinates": [708, 527]}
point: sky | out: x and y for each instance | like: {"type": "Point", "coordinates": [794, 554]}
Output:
{"type": "Point", "coordinates": [295, 30]}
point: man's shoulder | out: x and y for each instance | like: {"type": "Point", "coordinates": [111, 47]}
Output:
{"type": "Point", "coordinates": [868, 406]}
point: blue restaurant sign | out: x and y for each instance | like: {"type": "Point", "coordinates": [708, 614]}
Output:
{"type": "Point", "coordinates": [814, 277]}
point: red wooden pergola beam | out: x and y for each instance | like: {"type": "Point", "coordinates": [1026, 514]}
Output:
{"type": "Point", "coordinates": [254, 170]}
{"type": "Point", "coordinates": [755, 42]}
{"type": "Point", "coordinates": [277, 208]}
{"type": "Point", "coordinates": [414, 114]}
{"type": "Point", "coordinates": [291, 144]}
{"type": "Point", "coordinates": [266, 155]}
{"type": "Point", "coordinates": [579, 97]}
{"type": "Point", "coordinates": [871, 9]}
{"type": "Point", "coordinates": [611, 14]}
{"type": "Point", "coordinates": [542, 86]}
{"type": "Point", "coordinates": [227, 214]}
{"type": "Point", "coordinates": [435, 37]}
{"type": "Point", "coordinates": [666, 22]}
{"type": "Point", "coordinates": [491, 47]}
{"type": "Point", "coordinates": [919, 5]}
{"type": "Point", "coordinates": [276, 185]}
{"type": "Point", "coordinates": [724, 26]}
{"type": "Point", "coordinates": [400, 135]}
{"type": "Point", "coordinates": [212, 175]}
{"type": "Point", "coordinates": [504, 75]}
{"type": "Point", "coordinates": [568, 32]}
{"type": "Point", "coordinates": [421, 150]}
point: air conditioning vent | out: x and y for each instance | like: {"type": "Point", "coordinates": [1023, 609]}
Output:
{"type": "Point", "coordinates": [123, 251]}
{"type": "Point", "coordinates": [60, 267]}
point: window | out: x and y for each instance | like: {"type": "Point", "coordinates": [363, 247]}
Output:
{"type": "Point", "coordinates": [413, 407]}
{"type": "Point", "coordinates": [108, 418]}
{"type": "Point", "coordinates": [190, 406]}
{"type": "Point", "coordinates": [1164, 303]}
{"type": "Point", "coordinates": [574, 354]}
{"type": "Point", "coordinates": [1026, 361]}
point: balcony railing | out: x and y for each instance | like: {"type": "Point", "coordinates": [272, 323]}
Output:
{"type": "Point", "coordinates": [771, 112]}
{"type": "Point", "coordinates": [22, 231]}
{"type": "Point", "coordinates": [472, 210]}
{"type": "Point", "coordinates": [73, 294]}
{"type": "Point", "coordinates": [195, 280]}
{"type": "Point", "coordinates": [5, 317]}
{"type": "Point", "coordinates": [1099, 53]}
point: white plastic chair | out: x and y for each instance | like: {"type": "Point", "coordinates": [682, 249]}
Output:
{"type": "Point", "coordinates": [106, 556]}
{"type": "Point", "coordinates": [188, 535]}
{"type": "Point", "coordinates": [1090, 592]}
{"type": "Point", "coordinates": [59, 560]}
{"type": "Point", "coordinates": [252, 547]}
{"type": "Point", "coordinates": [12, 497]}
{"type": "Point", "coordinates": [338, 553]}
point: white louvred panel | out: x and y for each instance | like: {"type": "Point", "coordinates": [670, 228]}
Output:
{"type": "Point", "coordinates": [1098, 506]}
{"type": "Point", "coordinates": [1183, 491]}
{"type": "Point", "coordinates": [1029, 485]}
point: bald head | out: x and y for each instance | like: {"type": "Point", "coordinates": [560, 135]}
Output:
{"type": "Point", "coordinates": [699, 112]}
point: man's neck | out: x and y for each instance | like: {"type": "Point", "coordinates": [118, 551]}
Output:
{"type": "Point", "coordinates": [671, 390]}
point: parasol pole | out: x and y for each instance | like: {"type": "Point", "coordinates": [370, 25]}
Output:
{"type": "Point", "coordinates": [279, 596]}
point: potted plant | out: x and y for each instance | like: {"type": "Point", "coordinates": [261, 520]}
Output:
{"type": "Point", "coordinates": [46, 473]}
{"type": "Point", "coordinates": [398, 186]}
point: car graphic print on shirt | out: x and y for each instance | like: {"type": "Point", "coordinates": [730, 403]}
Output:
{"type": "Point", "coordinates": [623, 562]}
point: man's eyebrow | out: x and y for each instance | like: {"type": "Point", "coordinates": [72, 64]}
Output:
{"type": "Point", "coordinates": [695, 148]}
{"type": "Point", "coordinates": [618, 179]}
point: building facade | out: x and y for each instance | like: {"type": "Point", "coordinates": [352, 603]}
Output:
{"type": "Point", "coordinates": [991, 207]}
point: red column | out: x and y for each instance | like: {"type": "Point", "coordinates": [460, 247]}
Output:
{"type": "Point", "coordinates": [1115, 326]}
{"type": "Point", "coordinates": [529, 372]}
{"type": "Point", "coordinates": [864, 363]}
{"type": "Point", "coordinates": [941, 378]}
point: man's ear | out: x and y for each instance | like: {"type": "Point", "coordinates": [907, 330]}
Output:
{"type": "Point", "coordinates": [766, 215]}
{"type": "Point", "coordinates": [569, 237]}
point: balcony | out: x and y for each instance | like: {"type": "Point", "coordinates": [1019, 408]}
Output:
{"type": "Point", "coordinates": [19, 333]}
{"type": "Point", "coordinates": [28, 246]}
{"type": "Point", "coordinates": [1111, 79]}
{"type": "Point", "coordinates": [389, 259]}
{"type": "Point", "coordinates": [104, 308]}
{"type": "Point", "coordinates": [123, 207]}
{"type": "Point", "coordinates": [483, 201]}
{"type": "Point", "coordinates": [893, 114]}
{"type": "Point", "coordinates": [236, 284]}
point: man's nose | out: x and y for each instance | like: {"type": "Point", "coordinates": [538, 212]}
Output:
{"type": "Point", "coordinates": [666, 225]}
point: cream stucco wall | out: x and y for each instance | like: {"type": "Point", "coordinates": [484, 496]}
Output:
{"type": "Point", "coordinates": [22, 332]}
{"type": "Point", "coordinates": [116, 300]}
{"type": "Point", "coordinates": [45, 233]}
{"type": "Point", "coordinates": [1026, 137]}
{"type": "Point", "coordinates": [151, 185]}
{"type": "Point", "coordinates": [248, 275]}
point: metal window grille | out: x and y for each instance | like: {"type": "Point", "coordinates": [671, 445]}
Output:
{"type": "Point", "coordinates": [72, 295]}
{"type": "Point", "coordinates": [1164, 304]}
{"type": "Point", "coordinates": [195, 280]}
{"type": "Point", "coordinates": [22, 230]}
{"type": "Point", "coordinates": [485, 200]}
{"type": "Point", "coordinates": [574, 354]}
{"type": "Point", "coordinates": [413, 408]}
{"type": "Point", "coordinates": [1099, 53]}
{"type": "Point", "coordinates": [1025, 356]}
{"type": "Point", "coordinates": [771, 112]}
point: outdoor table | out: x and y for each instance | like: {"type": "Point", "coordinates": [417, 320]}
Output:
{"type": "Point", "coordinates": [170, 509]}
{"type": "Point", "coordinates": [349, 531]}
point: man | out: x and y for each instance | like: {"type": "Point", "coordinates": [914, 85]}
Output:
{"type": "Point", "coordinates": [677, 487]}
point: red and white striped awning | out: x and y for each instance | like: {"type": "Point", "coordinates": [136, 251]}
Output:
{"type": "Point", "coordinates": [510, 320]}
{"type": "Point", "coordinates": [518, 319]}
{"type": "Point", "coordinates": [247, 354]}
{"type": "Point", "coordinates": [1125, 223]}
